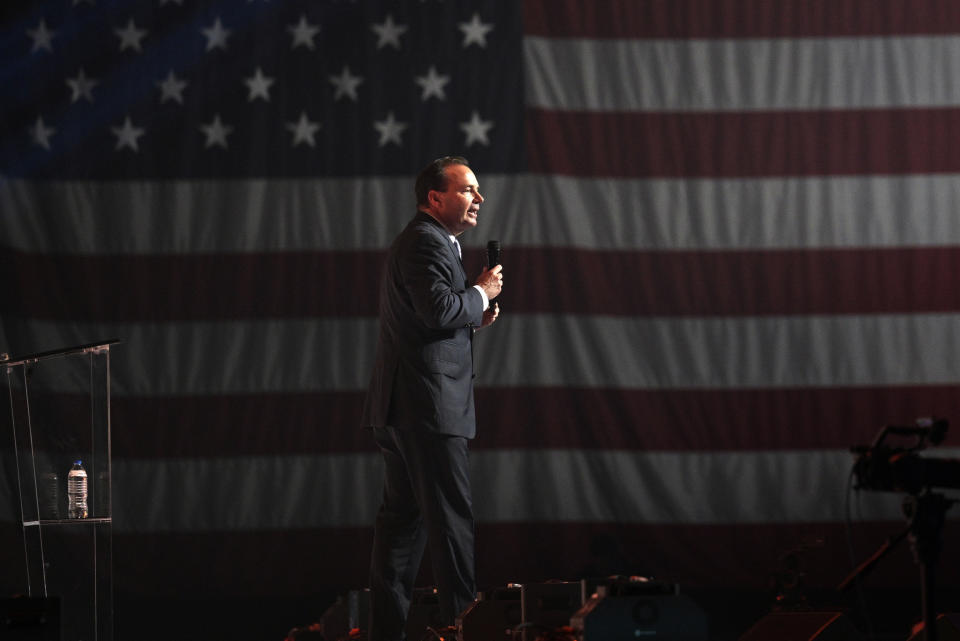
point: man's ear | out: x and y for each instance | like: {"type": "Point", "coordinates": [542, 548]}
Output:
{"type": "Point", "coordinates": [433, 198]}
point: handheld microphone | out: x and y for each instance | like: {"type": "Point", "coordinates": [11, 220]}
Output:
{"type": "Point", "coordinates": [493, 253]}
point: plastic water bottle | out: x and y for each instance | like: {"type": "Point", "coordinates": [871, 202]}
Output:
{"type": "Point", "coordinates": [77, 491]}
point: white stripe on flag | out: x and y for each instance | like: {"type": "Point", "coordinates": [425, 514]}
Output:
{"type": "Point", "coordinates": [535, 350]}
{"type": "Point", "coordinates": [159, 359]}
{"type": "Point", "coordinates": [718, 214]}
{"type": "Point", "coordinates": [510, 486]}
{"type": "Point", "coordinates": [741, 74]}
{"type": "Point", "coordinates": [204, 216]}
{"type": "Point", "coordinates": [188, 217]}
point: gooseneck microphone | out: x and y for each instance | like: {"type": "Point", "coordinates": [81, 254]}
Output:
{"type": "Point", "coordinates": [493, 253]}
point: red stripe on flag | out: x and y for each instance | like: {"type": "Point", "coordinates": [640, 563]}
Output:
{"type": "Point", "coordinates": [531, 418]}
{"type": "Point", "coordinates": [302, 561]}
{"type": "Point", "coordinates": [702, 420]}
{"type": "Point", "coordinates": [184, 287]}
{"type": "Point", "coordinates": [738, 18]}
{"type": "Point", "coordinates": [743, 144]}
{"type": "Point", "coordinates": [733, 283]}
{"type": "Point", "coordinates": [610, 283]}
{"type": "Point", "coordinates": [250, 425]}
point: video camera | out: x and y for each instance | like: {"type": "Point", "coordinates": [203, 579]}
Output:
{"type": "Point", "coordinates": [885, 468]}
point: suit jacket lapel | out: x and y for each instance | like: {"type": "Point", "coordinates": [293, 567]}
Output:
{"type": "Point", "coordinates": [451, 248]}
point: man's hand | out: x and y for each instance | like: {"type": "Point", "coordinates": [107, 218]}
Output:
{"type": "Point", "coordinates": [490, 315]}
{"type": "Point", "coordinates": [491, 281]}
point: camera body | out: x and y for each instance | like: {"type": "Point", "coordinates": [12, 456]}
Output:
{"type": "Point", "coordinates": [884, 468]}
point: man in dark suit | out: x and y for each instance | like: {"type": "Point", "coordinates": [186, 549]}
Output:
{"type": "Point", "coordinates": [420, 400]}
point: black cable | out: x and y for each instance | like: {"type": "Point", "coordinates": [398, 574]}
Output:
{"type": "Point", "coordinates": [847, 523]}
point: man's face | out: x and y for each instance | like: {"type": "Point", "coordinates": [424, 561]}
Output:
{"type": "Point", "coordinates": [457, 207]}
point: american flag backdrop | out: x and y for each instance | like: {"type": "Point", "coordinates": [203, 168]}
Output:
{"type": "Point", "coordinates": [731, 235]}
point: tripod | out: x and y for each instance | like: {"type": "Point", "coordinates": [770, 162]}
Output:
{"type": "Point", "coordinates": [925, 513]}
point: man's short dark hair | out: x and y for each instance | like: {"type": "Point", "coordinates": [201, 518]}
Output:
{"type": "Point", "coordinates": [433, 177]}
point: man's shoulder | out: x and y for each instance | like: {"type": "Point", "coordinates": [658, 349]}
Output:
{"type": "Point", "coordinates": [426, 224]}
{"type": "Point", "coordinates": [424, 230]}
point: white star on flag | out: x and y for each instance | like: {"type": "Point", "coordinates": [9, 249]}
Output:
{"type": "Point", "coordinates": [475, 32]}
{"type": "Point", "coordinates": [216, 133]}
{"type": "Point", "coordinates": [130, 36]}
{"type": "Point", "coordinates": [390, 130]}
{"type": "Point", "coordinates": [346, 84]}
{"type": "Point", "coordinates": [303, 130]}
{"type": "Point", "coordinates": [42, 37]}
{"type": "Point", "coordinates": [303, 33]}
{"type": "Point", "coordinates": [40, 133]}
{"type": "Point", "coordinates": [388, 33]}
{"type": "Point", "coordinates": [127, 135]}
{"type": "Point", "coordinates": [172, 88]}
{"type": "Point", "coordinates": [476, 130]}
{"type": "Point", "coordinates": [259, 86]}
{"type": "Point", "coordinates": [216, 36]}
{"type": "Point", "coordinates": [81, 86]}
{"type": "Point", "coordinates": [432, 84]}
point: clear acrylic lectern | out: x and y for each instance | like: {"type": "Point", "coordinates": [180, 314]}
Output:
{"type": "Point", "coordinates": [60, 412]}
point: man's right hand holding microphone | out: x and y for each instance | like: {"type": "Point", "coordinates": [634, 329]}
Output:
{"type": "Point", "coordinates": [491, 281]}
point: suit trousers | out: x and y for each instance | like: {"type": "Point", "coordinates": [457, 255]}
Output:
{"type": "Point", "coordinates": [426, 501]}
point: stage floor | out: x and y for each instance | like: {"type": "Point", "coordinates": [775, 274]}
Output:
{"type": "Point", "coordinates": [730, 613]}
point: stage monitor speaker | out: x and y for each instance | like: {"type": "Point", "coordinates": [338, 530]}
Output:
{"type": "Point", "coordinates": [492, 617]}
{"type": "Point", "coordinates": [30, 619]}
{"type": "Point", "coordinates": [654, 616]}
{"type": "Point", "coordinates": [547, 606]}
{"type": "Point", "coordinates": [618, 585]}
{"type": "Point", "coordinates": [948, 629]}
{"type": "Point", "coordinates": [424, 613]}
{"type": "Point", "coordinates": [803, 626]}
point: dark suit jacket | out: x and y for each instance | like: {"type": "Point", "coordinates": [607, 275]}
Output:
{"type": "Point", "coordinates": [423, 375]}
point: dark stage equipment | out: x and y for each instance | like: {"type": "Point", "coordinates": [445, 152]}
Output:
{"type": "Point", "coordinates": [803, 626]}
{"type": "Point", "coordinates": [492, 617]}
{"type": "Point", "coordinates": [547, 606]}
{"type": "Point", "coordinates": [948, 629]}
{"type": "Point", "coordinates": [30, 619]}
{"type": "Point", "coordinates": [352, 612]}
{"type": "Point", "coordinates": [623, 609]}
{"type": "Point", "coordinates": [885, 468]}
{"type": "Point", "coordinates": [424, 613]}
